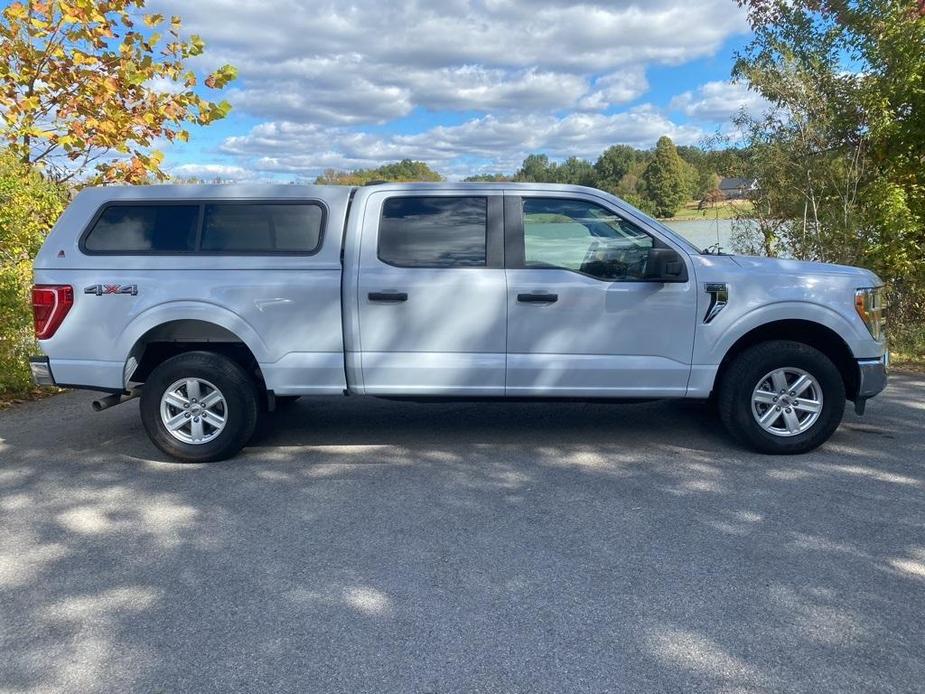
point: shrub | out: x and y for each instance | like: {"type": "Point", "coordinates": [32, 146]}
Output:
{"type": "Point", "coordinates": [29, 207]}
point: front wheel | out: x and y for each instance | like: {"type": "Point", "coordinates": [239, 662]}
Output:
{"type": "Point", "coordinates": [199, 407]}
{"type": "Point", "coordinates": [781, 397]}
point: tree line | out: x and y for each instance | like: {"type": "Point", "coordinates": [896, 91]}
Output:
{"type": "Point", "coordinates": [659, 181]}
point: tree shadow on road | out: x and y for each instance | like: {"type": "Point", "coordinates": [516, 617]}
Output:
{"type": "Point", "coordinates": [372, 546]}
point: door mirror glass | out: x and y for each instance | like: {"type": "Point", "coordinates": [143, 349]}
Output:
{"type": "Point", "coordinates": [665, 265]}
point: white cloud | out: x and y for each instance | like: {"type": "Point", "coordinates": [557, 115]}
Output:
{"type": "Point", "coordinates": [616, 88]}
{"type": "Point", "coordinates": [164, 85]}
{"type": "Point", "coordinates": [208, 171]}
{"type": "Point", "coordinates": [370, 61]}
{"type": "Point", "coordinates": [470, 87]}
{"type": "Point", "coordinates": [329, 79]}
{"type": "Point", "coordinates": [497, 143]}
{"type": "Point", "coordinates": [718, 101]}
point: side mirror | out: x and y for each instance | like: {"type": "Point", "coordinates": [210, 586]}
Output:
{"type": "Point", "coordinates": [665, 265]}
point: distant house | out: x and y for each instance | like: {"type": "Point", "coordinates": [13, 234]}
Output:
{"type": "Point", "coordinates": [737, 188]}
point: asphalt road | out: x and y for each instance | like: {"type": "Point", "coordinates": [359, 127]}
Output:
{"type": "Point", "coordinates": [365, 546]}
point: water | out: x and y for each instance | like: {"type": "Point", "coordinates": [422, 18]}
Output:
{"type": "Point", "coordinates": [704, 232]}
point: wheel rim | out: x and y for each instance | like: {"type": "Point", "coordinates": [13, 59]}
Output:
{"type": "Point", "coordinates": [193, 411]}
{"type": "Point", "coordinates": [787, 401]}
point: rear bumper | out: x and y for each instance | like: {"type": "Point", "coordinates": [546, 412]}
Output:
{"type": "Point", "coordinates": [41, 371]}
{"type": "Point", "coordinates": [872, 376]}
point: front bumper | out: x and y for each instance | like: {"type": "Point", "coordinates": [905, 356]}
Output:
{"type": "Point", "coordinates": [872, 376]}
{"type": "Point", "coordinates": [41, 371]}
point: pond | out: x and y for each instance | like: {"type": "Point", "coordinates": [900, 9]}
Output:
{"type": "Point", "coordinates": [704, 232]}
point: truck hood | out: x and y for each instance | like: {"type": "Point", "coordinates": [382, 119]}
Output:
{"type": "Point", "coordinates": [785, 266]}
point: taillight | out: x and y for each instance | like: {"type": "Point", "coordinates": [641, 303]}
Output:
{"type": "Point", "coordinates": [50, 304]}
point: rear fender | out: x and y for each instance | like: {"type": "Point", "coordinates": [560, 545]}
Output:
{"type": "Point", "coordinates": [192, 310]}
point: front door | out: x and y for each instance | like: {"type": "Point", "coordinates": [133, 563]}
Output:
{"type": "Point", "coordinates": [582, 319]}
{"type": "Point", "coordinates": [432, 294]}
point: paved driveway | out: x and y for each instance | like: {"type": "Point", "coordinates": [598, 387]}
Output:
{"type": "Point", "coordinates": [365, 546]}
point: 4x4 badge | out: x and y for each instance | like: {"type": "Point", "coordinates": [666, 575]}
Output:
{"type": "Point", "coordinates": [100, 289]}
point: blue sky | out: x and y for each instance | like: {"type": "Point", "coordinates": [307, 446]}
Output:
{"type": "Point", "coordinates": [469, 86]}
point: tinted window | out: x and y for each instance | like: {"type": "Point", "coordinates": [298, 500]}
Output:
{"type": "Point", "coordinates": [256, 228]}
{"type": "Point", "coordinates": [583, 237]}
{"type": "Point", "coordinates": [139, 228]}
{"type": "Point", "coordinates": [433, 232]}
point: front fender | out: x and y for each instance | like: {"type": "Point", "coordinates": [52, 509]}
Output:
{"type": "Point", "coordinates": [714, 351]}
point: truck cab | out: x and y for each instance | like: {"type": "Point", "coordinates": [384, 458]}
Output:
{"type": "Point", "coordinates": [243, 296]}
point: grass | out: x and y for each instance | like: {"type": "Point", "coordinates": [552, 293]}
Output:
{"type": "Point", "coordinates": [907, 347]}
{"type": "Point", "coordinates": [728, 209]}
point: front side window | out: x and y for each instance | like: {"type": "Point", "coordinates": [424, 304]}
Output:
{"type": "Point", "coordinates": [144, 228]}
{"type": "Point", "coordinates": [433, 231]}
{"type": "Point", "coordinates": [262, 228]}
{"type": "Point", "coordinates": [583, 237]}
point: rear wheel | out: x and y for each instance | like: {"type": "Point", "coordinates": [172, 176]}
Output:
{"type": "Point", "coordinates": [199, 407]}
{"type": "Point", "coordinates": [781, 397]}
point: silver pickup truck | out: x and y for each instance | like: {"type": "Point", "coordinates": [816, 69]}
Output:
{"type": "Point", "coordinates": [214, 303]}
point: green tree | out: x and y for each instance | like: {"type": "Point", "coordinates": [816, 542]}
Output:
{"type": "Point", "coordinates": [575, 171]}
{"type": "Point", "coordinates": [29, 206]}
{"type": "Point", "coordinates": [701, 171]}
{"type": "Point", "coordinates": [405, 171]}
{"type": "Point", "coordinates": [641, 203]}
{"type": "Point", "coordinates": [536, 169]}
{"type": "Point", "coordinates": [723, 160]}
{"type": "Point", "coordinates": [839, 160]}
{"type": "Point", "coordinates": [664, 179]}
{"type": "Point", "coordinates": [629, 185]}
{"type": "Point", "coordinates": [76, 87]}
{"type": "Point", "coordinates": [488, 178]}
{"type": "Point", "coordinates": [613, 164]}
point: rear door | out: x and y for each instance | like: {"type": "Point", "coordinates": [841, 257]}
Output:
{"type": "Point", "coordinates": [431, 293]}
{"type": "Point", "coordinates": [582, 319]}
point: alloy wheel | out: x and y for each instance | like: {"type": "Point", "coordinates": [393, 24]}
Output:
{"type": "Point", "coordinates": [787, 401]}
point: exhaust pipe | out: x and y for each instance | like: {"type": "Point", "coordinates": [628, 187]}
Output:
{"type": "Point", "coordinates": [114, 399]}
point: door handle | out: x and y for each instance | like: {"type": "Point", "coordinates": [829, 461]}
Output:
{"type": "Point", "coordinates": [390, 297]}
{"type": "Point", "coordinates": [538, 298]}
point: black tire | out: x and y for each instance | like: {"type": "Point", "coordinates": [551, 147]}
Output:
{"type": "Point", "coordinates": [235, 385]}
{"type": "Point", "coordinates": [740, 378]}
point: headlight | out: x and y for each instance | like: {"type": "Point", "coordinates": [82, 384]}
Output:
{"type": "Point", "coordinates": [870, 307]}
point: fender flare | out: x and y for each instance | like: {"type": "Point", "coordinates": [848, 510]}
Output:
{"type": "Point", "coordinates": [192, 310]}
{"type": "Point", "coordinates": [784, 310]}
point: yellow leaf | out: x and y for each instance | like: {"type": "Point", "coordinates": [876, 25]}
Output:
{"type": "Point", "coordinates": [16, 12]}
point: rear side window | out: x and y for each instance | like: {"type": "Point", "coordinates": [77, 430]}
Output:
{"type": "Point", "coordinates": [433, 231]}
{"type": "Point", "coordinates": [262, 228]}
{"type": "Point", "coordinates": [144, 228]}
{"type": "Point", "coordinates": [226, 227]}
